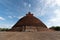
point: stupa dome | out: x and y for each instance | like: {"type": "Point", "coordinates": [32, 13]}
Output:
{"type": "Point", "coordinates": [28, 22]}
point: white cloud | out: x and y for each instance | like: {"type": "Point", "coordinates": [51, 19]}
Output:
{"type": "Point", "coordinates": [15, 17]}
{"type": "Point", "coordinates": [11, 17]}
{"type": "Point", "coordinates": [38, 12]}
{"type": "Point", "coordinates": [57, 2]}
{"type": "Point", "coordinates": [29, 5]}
{"type": "Point", "coordinates": [49, 2]}
{"type": "Point", "coordinates": [52, 3]}
{"type": "Point", "coordinates": [57, 12]}
{"type": "Point", "coordinates": [25, 4]}
{"type": "Point", "coordinates": [55, 20]}
{"type": "Point", "coordinates": [5, 26]}
{"type": "Point", "coordinates": [1, 18]}
{"type": "Point", "coordinates": [19, 17]}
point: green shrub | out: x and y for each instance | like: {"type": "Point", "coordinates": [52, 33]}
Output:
{"type": "Point", "coordinates": [4, 29]}
{"type": "Point", "coordinates": [57, 28]}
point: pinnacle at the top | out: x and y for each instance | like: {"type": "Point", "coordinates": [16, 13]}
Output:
{"type": "Point", "coordinates": [29, 14]}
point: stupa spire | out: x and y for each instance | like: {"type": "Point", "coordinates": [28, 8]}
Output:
{"type": "Point", "coordinates": [29, 14]}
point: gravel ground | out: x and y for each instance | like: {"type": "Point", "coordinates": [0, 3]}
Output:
{"type": "Point", "coordinates": [30, 35]}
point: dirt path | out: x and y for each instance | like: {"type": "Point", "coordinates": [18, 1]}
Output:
{"type": "Point", "coordinates": [29, 35]}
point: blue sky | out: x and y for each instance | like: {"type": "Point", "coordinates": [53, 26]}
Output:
{"type": "Point", "coordinates": [48, 11]}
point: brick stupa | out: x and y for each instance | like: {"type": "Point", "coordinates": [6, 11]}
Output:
{"type": "Point", "coordinates": [29, 23]}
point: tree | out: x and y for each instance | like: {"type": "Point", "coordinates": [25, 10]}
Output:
{"type": "Point", "coordinates": [57, 28]}
{"type": "Point", "coordinates": [4, 29]}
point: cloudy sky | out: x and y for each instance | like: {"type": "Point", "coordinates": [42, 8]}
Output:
{"type": "Point", "coordinates": [47, 11]}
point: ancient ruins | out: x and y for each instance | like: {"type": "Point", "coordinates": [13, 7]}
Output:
{"type": "Point", "coordinates": [29, 23]}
